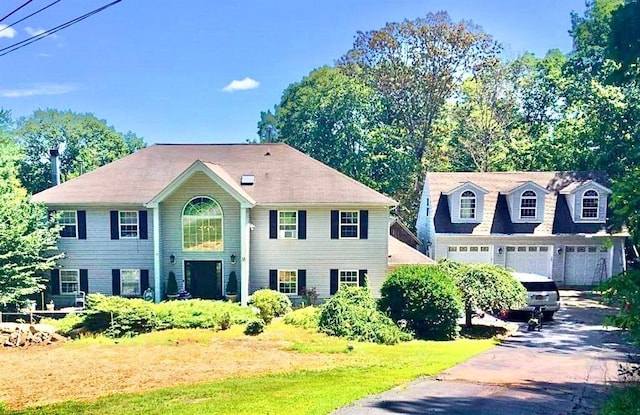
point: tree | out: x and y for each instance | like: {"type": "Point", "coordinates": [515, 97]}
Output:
{"type": "Point", "coordinates": [85, 142]}
{"type": "Point", "coordinates": [416, 66]}
{"type": "Point", "coordinates": [26, 237]}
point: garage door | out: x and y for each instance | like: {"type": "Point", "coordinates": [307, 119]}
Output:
{"type": "Point", "coordinates": [471, 254]}
{"type": "Point", "coordinates": [533, 259]}
{"type": "Point", "coordinates": [585, 265]}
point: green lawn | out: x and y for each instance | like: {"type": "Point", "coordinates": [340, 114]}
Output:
{"type": "Point", "coordinates": [370, 369]}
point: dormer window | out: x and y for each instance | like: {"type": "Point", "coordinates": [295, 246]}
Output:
{"type": "Point", "coordinates": [528, 205]}
{"type": "Point", "coordinates": [590, 203]}
{"type": "Point", "coordinates": [468, 205]}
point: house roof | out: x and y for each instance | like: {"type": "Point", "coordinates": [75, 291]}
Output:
{"type": "Point", "coordinates": [496, 217]}
{"type": "Point", "coordinates": [402, 254]}
{"type": "Point", "coordinates": [283, 175]}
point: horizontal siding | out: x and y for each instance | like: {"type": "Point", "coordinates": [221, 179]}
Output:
{"type": "Point", "coordinates": [319, 253]}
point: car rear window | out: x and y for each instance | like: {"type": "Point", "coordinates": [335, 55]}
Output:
{"type": "Point", "coordinates": [540, 286]}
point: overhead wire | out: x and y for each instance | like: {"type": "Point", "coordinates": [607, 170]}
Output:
{"type": "Point", "coordinates": [24, 4]}
{"type": "Point", "coordinates": [32, 14]}
{"type": "Point", "coordinates": [26, 42]}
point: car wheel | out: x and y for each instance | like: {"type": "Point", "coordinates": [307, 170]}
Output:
{"type": "Point", "coordinates": [548, 315]}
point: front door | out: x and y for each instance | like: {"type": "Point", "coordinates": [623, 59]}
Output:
{"type": "Point", "coordinates": [203, 279]}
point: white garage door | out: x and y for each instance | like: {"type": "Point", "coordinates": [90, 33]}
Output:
{"type": "Point", "coordinates": [585, 265]}
{"type": "Point", "coordinates": [533, 259]}
{"type": "Point", "coordinates": [470, 254]}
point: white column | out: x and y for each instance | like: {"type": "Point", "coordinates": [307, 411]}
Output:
{"type": "Point", "coordinates": [244, 255]}
{"type": "Point", "coordinates": [156, 255]}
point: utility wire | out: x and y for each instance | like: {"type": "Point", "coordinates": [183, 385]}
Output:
{"type": "Point", "coordinates": [32, 14]}
{"type": "Point", "coordinates": [28, 1]}
{"type": "Point", "coordinates": [26, 42]}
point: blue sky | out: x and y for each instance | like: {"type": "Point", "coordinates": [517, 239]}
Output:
{"type": "Point", "coordinates": [159, 67]}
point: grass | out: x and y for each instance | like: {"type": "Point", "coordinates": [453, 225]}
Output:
{"type": "Point", "coordinates": [360, 369]}
{"type": "Point", "coordinates": [623, 401]}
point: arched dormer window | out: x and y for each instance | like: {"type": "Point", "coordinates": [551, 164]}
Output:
{"type": "Point", "coordinates": [202, 225]}
{"type": "Point", "coordinates": [468, 205]}
{"type": "Point", "coordinates": [590, 204]}
{"type": "Point", "coordinates": [528, 205]}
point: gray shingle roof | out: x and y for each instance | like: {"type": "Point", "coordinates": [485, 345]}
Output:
{"type": "Point", "coordinates": [283, 175]}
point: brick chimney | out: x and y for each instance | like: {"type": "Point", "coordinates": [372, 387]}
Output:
{"type": "Point", "coordinates": [55, 167]}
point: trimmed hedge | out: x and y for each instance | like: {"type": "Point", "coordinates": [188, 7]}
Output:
{"type": "Point", "coordinates": [307, 317]}
{"type": "Point", "coordinates": [424, 296]}
{"type": "Point", "coordinates": [353, 313]}
{"type": "Point", "coordinates": [270, 304]}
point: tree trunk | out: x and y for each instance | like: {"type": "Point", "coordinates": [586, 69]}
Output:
{"type": "Point", "coordinates": [468, 315]}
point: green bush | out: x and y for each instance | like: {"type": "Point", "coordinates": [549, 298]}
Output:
{"type": "Point", "coordinates": [172, 284]}
{"type": "Point", "coordinates": [307, 317]}
{"type": "Point", "coordinates": [254, 327]}
{"type": "Point", "coordinates": [270, 304]}
{"type": "Point", "coordinates": [65, 325]}
{"type": "Point", "coordinates": [622, 401]}
{"type": "Point", "coordinates": [425, 297]}
{"type": "Point", "coordinates": [622, 291]}
{"type": "Point", "coordinates": [202, 314]}
{"type": "Point", "coordinates": [118, 316]}
{"type": "Point", "coordinates": [352, 313]}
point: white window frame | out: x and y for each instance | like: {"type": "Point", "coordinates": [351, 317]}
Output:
{"type": "Point", "coordinates": [472, 209]}
{"type": "Point", "coordinates": [528, 197]}
{"type": "Point", "coordinates": [221, 217]}
{"type": "Point", "coordinates": [292, 272]}
{"type": "Point", "coordinates": [344, 225]}
{"type": "Point", "coordinates": [64, 225]}
{"type": "Point", "coordinates": [122, 281]}
{"type": "Point", "coordinates": [120, 224]}
{"type": "Point", "coordinates": [282, 233]}
{"type": "Point", "coordinates": [344, 273]}
{"type": "Point", "coordinates": [596, 207]}
{"type": "Point", "coordinates": [77, 281]}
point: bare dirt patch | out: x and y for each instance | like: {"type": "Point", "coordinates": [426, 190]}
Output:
{"type": "Point", "coordinates": [43, 375]}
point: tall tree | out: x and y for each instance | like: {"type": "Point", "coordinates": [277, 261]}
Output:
{"type": "Point", "coordinates": [416, 65]}
{"type": "Point", "coordinates": [85, 142]}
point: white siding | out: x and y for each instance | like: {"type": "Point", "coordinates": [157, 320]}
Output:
{"type": "Point", "coordinates": [318, 254]}
{"type": "Point", "coordinates": [425, 230]}
{"type": "Point", "coordinates": [577, 205]}
{"type": "Point", "coordinates": [514, 200]}
{"type": "Point", "coordinates": [454, 204]}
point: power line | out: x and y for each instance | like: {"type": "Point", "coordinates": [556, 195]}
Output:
{"type": "Point", "coordinates": [26, 42]}
{"type": "Point", "coordinates": [32, 14]}
{"type": "Point", "coordinates": [28, 1]}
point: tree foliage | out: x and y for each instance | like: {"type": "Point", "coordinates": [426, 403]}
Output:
{"type": "Point", "coordinates": [85, 142]}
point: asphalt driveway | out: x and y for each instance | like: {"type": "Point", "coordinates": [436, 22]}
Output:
{"type": "Point", "coordinates": [564, 369]}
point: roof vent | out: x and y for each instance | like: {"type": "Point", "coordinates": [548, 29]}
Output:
{"type": "Point", "coordinates": [248, 180]}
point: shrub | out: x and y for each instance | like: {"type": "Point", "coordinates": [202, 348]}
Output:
{"type": "Point", "coordinates": [306, 318]}
{"type": "Point", "coordinates": [172, 284]}
{"type": "Point", "coordinates": [270, 303]}
{"type": "Point", "coordinates": [489, 288]}
{"type": "Point", "coordinates": [622, 291]}
{"type": "Point", "coordinates": [425, 297]}
{"type": "Point", "coordinates": [352, 313]}
{"type": "Point", "coordinates": [232, 284]}
{"type": "Point", "coordinates": [309, 296]}
{"type": "Point", "coordinates": [118, 317]}
{"type": "Point", "coordinates": [65, 325]}
{"type": "Point", "coordinates": [254, 327]}
{"type": "Point", "coordinates": [200, 314]}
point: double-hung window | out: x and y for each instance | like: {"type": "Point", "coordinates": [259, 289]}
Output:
{"type": "Point", "coordinates": [349, 224]}
{"type": "Point", "coordinates": [69, 222]}
{"type": "Point", "coordinates": [528, 205]}
{"type": "Point", "coordinates": [288, 224]}
{"type": "Point", "coordinates": [130, 282]}
{"type": "Point", "coordinates": [590, 202]}
{"type": "Point", "coordinates": [348, 278]}
{"type": "Point", "coordinates": [128, 224]}
{"type": "Point", "coordinates": [69, 281]}
{"type": "Point", "coordinates": [288, 281]}
{"type": "Point", "coordinates": [468, 205]}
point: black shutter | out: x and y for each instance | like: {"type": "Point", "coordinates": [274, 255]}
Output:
{"type": "Point", "coordinates": [273, 224]}
{"type": "Point", "coordinates": [302, 280]}
{"type": "Point", "coordinates": [334, 281]}
{"type": "Point", "coordinates": [115, 282]}
{"type": "Point", "coordinates": [364, 224]}
{"type": "Point", "coordinates": [302, 224]}
{"type": "Point", "coordinates": [273, 279]}
{"type": "Point", "coordinates": [115, 232]}
{"type": "Point", "coordinates": [144, 280]}
{"type": "Point", "coordinates": [142, 220]}
{"type": "Point", "coordinates": [82, 224]}
{"type": "Point", "coordinates": [335, 224]}
{"type": "Point", "coordinates": [54, 282]}
{"type": "Point", "coordinates": [84, 280]}
{"type": "Point", "coordinates": [362, 278]}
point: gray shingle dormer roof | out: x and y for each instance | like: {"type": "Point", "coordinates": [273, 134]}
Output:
{"type": "Point", "coordinates": [283, 175]}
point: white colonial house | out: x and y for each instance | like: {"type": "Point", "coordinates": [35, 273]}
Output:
{"type": "Point", "coordinates": [274, 216]}
{"type": "Point", "coordinates": [549, 223]}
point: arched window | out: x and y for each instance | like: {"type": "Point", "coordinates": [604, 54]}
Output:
{"type": "Point", "coordinates": [468, 205]}
{"type": "Point", "coordinates": [590, 203]}
{"type": "Point", "coordinates": [528, 204]}
{"type": "Point", "coordinates": [202, 225]}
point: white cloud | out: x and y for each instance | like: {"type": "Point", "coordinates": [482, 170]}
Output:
{"type": "Point", "coordinates": [242, 85]}
{"type": "Point", "coordinates": [47, 89]}
{"type": "Point", "coordinates": [7, 31]}
{"type": "Point", "coordinates": [36, 32]}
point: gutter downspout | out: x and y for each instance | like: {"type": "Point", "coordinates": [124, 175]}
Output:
{"type": "Point", "coordinates": [244, 255]}
{"type": "Point", "coordinates": [157, 287]}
